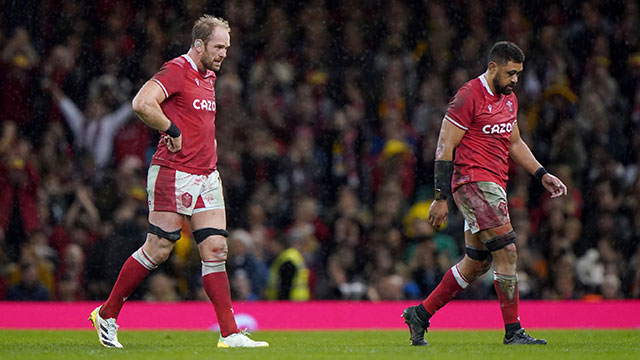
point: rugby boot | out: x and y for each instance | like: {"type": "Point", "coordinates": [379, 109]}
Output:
{"type": "Point", "coordinates": [417, 327]}
{"type": "Point", "coordinates": [522, 338]}
{"type": "Point", "coordinates": [107, 329]}
{"type": "Point", "coordinates": [240, 340]}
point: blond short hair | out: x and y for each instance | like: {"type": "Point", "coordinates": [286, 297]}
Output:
{"type": "Point", "coordinates": [204, 26]}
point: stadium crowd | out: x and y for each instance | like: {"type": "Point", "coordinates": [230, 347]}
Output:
{"type": "Point", "coordinates": [328, 114]}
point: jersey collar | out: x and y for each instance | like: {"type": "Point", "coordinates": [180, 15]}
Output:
{"type": "Point", "coordinates": [190, 60]}
{"type": "Point", "coordinates": [484, 82]}
{"type": "Point", "coordinates": [209, 73]}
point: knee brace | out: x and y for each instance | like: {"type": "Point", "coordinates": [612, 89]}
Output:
{"type": "Point", "coordinates": [171, 236]}
{"type": "Point", "coordinates": [201, 234]}
{"type": "Point", "coordinates": [477, 254]}
{"type": "Point", "coordinates": [501, 241]}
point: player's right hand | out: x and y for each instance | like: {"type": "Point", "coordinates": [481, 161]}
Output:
{"type": "Point", "coordinates": [173, 144]}
{"type": "Point", "coordinates": [438, 212]}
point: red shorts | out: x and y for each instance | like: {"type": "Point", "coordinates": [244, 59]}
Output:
{"type": "Point", "coordinates": [183, 193]}
{"type": "Point", "coordinates": [483, 205]}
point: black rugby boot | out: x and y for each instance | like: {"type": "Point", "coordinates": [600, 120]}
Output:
{"type": "Point", "coordinates": [417, 326]}
{"type": "Point", "coordinates": [521, 338]}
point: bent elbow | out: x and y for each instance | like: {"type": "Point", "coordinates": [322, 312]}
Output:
{"type": "Point", "coordinates": [138, 105]}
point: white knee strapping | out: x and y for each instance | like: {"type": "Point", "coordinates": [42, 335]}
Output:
{"type": "Point", "coordinates": [508, 284]}
{"type": "Point", "coordinates": [505, 278]}
{"type": "Point", "coordinates": [213, 266]}
{"type": "Point", "coordinates": [459, 277]}
{"type": "Point", "coordinates": [143, 258]}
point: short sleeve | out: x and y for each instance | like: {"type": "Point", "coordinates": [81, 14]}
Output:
{"type": "Point", "coordinates": [460, 111]}
{"type": "Point", "coordinates": [170, 77]}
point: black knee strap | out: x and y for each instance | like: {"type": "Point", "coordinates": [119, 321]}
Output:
{"type": "Point", "coordinates": [171, 236]}
{"type": "Point", "coordinates": [201, 234]}
{"type": "Point", "coordinates": [499, 242]}
{"type": "Point", "coordinates": [477, 254]}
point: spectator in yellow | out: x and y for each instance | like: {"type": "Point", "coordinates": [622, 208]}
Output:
{"type": "Point", "coordinates": [288, 274]}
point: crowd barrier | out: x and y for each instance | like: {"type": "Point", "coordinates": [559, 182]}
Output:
{"type": "Point", "coordinates": [325, 315]}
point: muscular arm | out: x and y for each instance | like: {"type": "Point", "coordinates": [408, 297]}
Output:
{"type": "Point", "coordinates": [146, 105]}
{"type": "Point", "coordinates": [520, 152]}
{"type": "Point", "coordinates": [450, 136]}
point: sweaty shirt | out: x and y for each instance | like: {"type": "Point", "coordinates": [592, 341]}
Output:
{"type": "Point", "coordinates": [488, 119]}
{"type": "Point", "coordinates": [190, 104]}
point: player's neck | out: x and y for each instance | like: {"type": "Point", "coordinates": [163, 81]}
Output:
{"type": "Point", "coordinates": [197, 60]}
{"type": "Point", "coordinates": [489, 79]}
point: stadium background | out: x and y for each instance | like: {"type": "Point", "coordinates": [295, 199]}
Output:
{"type": "Point", "coordinates": [328, 116]}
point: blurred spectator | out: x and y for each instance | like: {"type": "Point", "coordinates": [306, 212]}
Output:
{"type": "Point", "coordinates": [425, 270]}
{"type": "Point", "coordinates": [389, 287]}
{"type": "Point", "coordinates": [96, 128]}
{"type": "Point", "coordinates": [161, 288]}
{"type": "Point", "coordinates": [70, 275]}
{"type": "Point", "coordinates": [19, 60]}
{"type": "Point", "coordinates": [631, 279]}
{"type": "Point", "coordinates": [243, 264]}
{"type": "Point", "coordinates": [288, 274]}
{"type": "Point", "coordinates": [32, 278]}
{"type": "Point", "coordinates": [610, 287]}
{"type": "Point", "coordinates": [345, 261]}
{"type": "Point", "coordinates": [19, 179]}
{"type": "Point", "coordinates": [562, 279]}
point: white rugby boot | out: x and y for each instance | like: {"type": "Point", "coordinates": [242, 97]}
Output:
{"type": "Point", "coordinates": [107, 329]}
{"type": "Point", "coordinates": [240, 340]}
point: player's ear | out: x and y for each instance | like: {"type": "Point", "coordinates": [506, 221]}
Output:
{"type": "Point", "coordinates": [493, 67]}
{"type": "Point", "coordinates": [198, 45]}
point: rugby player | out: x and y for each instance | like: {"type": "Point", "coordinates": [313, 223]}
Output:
{"type": "Point", "coordinates": [182, 181]}
{"type": "Point", "coordinates": [481, 125]}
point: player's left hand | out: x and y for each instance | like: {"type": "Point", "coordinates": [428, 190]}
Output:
{"type": "Point", "coordinates": [554, 185]}
{"type": "Point", "coordinates": [173, 144]}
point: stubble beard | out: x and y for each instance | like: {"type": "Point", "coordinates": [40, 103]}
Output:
{"type": "Point", "coordinates": [504, 90]}
{"type": "Point", "coordinates": [208, 62]}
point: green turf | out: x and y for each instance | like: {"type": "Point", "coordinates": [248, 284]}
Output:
{"type": "Point", "coordinates": [370, 345]}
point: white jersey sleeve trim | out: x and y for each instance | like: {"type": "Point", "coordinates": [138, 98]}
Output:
{"type": "Point", "coordinates": [166, 94]}
{"type": "Point", "coordinates": [455, 123]}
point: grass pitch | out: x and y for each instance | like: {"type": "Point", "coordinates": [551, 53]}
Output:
{"type": "Point", "coordinates": [370, 345]}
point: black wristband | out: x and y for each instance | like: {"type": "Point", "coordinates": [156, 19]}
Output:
{"type": "Point", "coordinates": [173, 131]}
{"type": "Point", "coordinates": [540, 173]}
{"type": "Point", "coordinates": [442, 178]}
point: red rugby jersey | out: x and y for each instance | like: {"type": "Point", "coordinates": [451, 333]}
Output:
{"type": "Point", "coordinates": [191, 105]}
{"type": "Point", "coordinates": [483, 152]}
